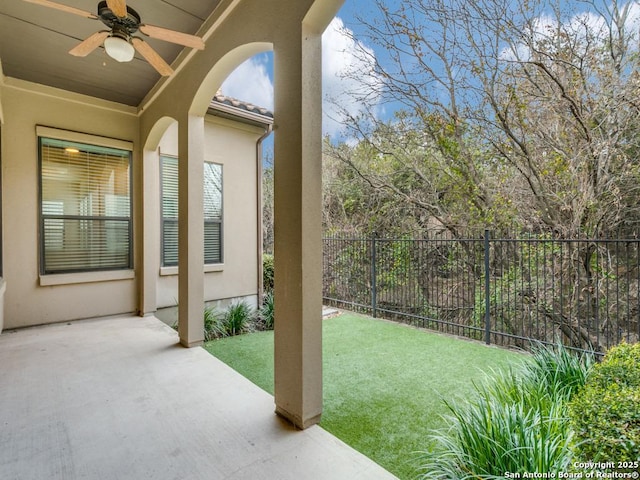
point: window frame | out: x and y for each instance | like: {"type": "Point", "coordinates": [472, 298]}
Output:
{"type": "Point", "coordinates": [219, 221]}
{"type": "Point", "coordinates": [172, 268]}
{"type": "Point", "coordinates": [162, 158]}
{"type": "Point", "coordinates": [64, 276]}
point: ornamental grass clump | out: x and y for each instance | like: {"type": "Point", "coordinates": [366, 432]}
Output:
{"type": "Point", "coordinates": [560, 370]}
{"type": "Point", "coordinates": [237, 318]}
{"type": "Point", "coordinates": [516, 422]}
{"type": "Point", "coordinates": [213, 324]}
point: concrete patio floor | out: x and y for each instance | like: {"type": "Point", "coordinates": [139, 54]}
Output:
{"type": "Point", "coordinates": [118, 398]}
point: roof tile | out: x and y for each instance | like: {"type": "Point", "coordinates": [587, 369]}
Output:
{"type": "Point", "coordinates": [239, 104]}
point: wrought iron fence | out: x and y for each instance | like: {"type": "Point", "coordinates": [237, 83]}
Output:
{"type": "Point", "coordinates": [507, 291]}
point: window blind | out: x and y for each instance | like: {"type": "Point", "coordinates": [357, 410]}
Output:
{"type": "Point", "coordinates": [85, 207]}
{"type": "Point", "coordinates": [212, 184]}
{"type": "Point", "coordinates": [169, 186]}
{"type": "Point", "coordinates": [212, 213]}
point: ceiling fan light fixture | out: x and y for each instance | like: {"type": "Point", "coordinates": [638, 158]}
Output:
{"type": "Point", "coordinates": [119, 49]}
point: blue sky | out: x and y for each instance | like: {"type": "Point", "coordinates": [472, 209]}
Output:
{"type": "Point", "coordinates": [253, 80]}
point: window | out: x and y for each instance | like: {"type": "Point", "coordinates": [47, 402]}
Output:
{"type": "Point", "coordinates": [169, 186]}
{"type": "Point", "coordinates": [85, 207]}
{"type": "Point", "coordinates": [212, 211]}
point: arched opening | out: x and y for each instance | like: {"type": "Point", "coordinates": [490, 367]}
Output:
{"type": "Point", "coordinates": [231, 137]}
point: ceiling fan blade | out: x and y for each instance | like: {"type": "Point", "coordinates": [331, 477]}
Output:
{"type": "Point", "coordinates": [118, 7]}
{"type": "Point", "coordinates": [173, 36]}
{"type": "Point", "coordinates": [152, 57]}
{"type": "Point", "coordinates": [87, 46]}
{"type": "Point", "coordinates": [64, 8]}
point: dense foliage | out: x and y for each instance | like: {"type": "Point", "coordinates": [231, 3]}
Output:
{"type": "Point", "coordinates": [606, 413]}
{"type": "Point", "coordinates": [267, 312]}
{"type": "Point", "coordinates": [514, 116]}
{"type": "Point", "coordinates": [268, 272]}
{"type": "Point", "coordinates": [507, 112]}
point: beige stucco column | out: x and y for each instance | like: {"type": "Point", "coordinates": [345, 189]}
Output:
{"type": "Point", "coordinates": [148, 218]}
{"type": "Point", "coordinates": [190, 230]}
{"type": "Point", "coordinates": [298, 208]}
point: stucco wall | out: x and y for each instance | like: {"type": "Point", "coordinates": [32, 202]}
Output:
{"type": "Point", "coordinates": [30, 298]}
{"type": "Point", "coordinates": [233, 146]}
{"type": "Point", "coordinates": [27, 302]}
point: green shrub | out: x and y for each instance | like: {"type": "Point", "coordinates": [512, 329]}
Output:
{"type": "Point", "coordinates": [237, 318]}
{"type": "Point", "coordinates": [267, 312]}
{"type": "Point", "coordinates": [621, 365]}
{"type": "Point", "coordinates": [267, 272]}
{"type": "Point", "coordinates": [605, 414]}
{"type": "Point", "coordinates": [515, 422]}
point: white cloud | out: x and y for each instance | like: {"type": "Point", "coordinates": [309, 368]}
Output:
{"type": "Point", "coordinates": [340, 57]}
{"type": "Point", "coordinates": [252, 81]}
{"type": "Point", "coordinates": [546, 27]}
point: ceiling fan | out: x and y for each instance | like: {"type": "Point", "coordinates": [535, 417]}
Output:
{"type": "Point", "coordinates": [119, 41]}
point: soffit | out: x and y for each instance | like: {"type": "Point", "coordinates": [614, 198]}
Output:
{"type": "Point", "coordinates": [35, 40]}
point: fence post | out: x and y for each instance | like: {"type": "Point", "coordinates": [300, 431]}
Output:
{"type": "Point", "coordinates": [374, 276]}
{"type": "Point", "coordinates": [487, 286]}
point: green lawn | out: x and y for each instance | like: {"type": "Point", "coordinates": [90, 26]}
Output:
{"type": "Point", "coordinates": [383, 382]}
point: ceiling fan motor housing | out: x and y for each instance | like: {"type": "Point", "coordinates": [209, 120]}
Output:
{"type": "Point", "coordinates": [122, 26]}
